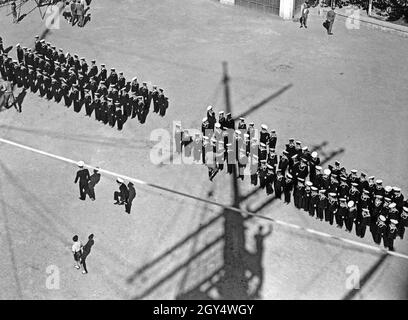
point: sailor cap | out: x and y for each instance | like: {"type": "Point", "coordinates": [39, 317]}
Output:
{"type": "Point", "coordinates": [309, 183]}
{"type": "Point", "coordinates": [396, 189]}
{"type": "Point", "coordinates": [393, 221]}
{"type": "Point", "coordinates": [318, 168]}
{"type": "Point", "coordinates": [392, 205]}
{"type": "Point", "coordinates": [378, 181]}
{"type": "Point", "coordinates": [314, 154]}
{"type": "Point", "coordinates": [264, 127]}
{"type": "Point", "coordinates": [313, 188]}
{"type": "Point", "coordinates": [322, 191]}
{"type": "Point", "coordinates": [388, 188]}
{"type": "Point", "coordinates": [238, 131]}
{"type": "Point", "coordinates": [217, 125]}
{"type": "Point", "coordinates": [288, 175]}
{"type": "Point", "coordinates": [301, 179]}
{"type": "Point", "coordinates": [204, 119]}
{"type": "Point", "coordinates": [120, 180]}
{"type": "Point", "coordinates": [350, 204]}
{"type": "Point", "coordinates": [242, 119]}
{"type": "Point", "coordinates": [332, 194]}
{"type": "Point", "coordinates": [354, 184]}
{"type": "Point", "coordinates": [354, 171]}
{"type": "Point", "coordinates": [209, 108]}
{"type": "Point", "coordinates": [80, 164]}
{"type": "Point", "coordinates": [221, 112]}
{"type": "Point", "coordinates": [298, 142]}
{"type": "Point", "coordinates": [327, 171]}
{"type": "Point", "coordinates": [382, 218]}
{"type": "Point", "coordinates": [378, 196]}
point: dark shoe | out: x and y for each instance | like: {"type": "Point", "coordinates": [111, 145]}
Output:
{"type": "Point", "coordinates": [117, 202]}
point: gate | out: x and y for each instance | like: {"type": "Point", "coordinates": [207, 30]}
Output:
{"type": "Point", "coordinates": [270, 6]}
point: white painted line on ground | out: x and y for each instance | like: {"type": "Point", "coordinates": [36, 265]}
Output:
{"type": "Point", "coordinates": [283, 223]}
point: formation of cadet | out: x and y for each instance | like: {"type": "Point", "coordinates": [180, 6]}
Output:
{"type": "Point", "coordinates": [63, 77]}
{"type": "Point", "coordinates": [331, 194]}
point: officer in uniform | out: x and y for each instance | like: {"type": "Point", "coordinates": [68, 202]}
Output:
{"type": "Point", "coordinates": [279, 183]}
{"type": "Point", "coordinates": [321, 204]}
{"type": "Point", "coordinates": [222, 120]}
{"type": "Point", "coordinates": [351, 215]}
{"type": "Point", "coordinates": [342, 212]}
{"type": "Point", "coordinates": [269, 179]}
{"type": "Point", "coordinates": [380, 229]}
{"type": "Point", "coordinates": [263, 170]}
{"type": "Point", "coordinates": [83, 177]}
{"type": "Point", "coordinates": [332, 208]}
{"type": "Point", "coordinates": [242, 125]}
{"type": "Point", "coordinates": [313, 162]}
{"type": "Point", "coordinates": [299, 193]}
{"type": "Point", "coordinates": [273, 138]}
{"type": "Point", "coordinates": [264, 134]}
{"type": "Point", "coordinates": [306, 199]}
{"type": "Point", "coordinates": [283, 162]}
{"type": "Point", "coordinates": [314, 199]}
{"type": "Point", "coordinates": [364, 222]}
{"type": "Point", "coordinates": [197, 148]}
{"type": "Point", "coordinates": [287, 187]}
{"type": "Point", "coordinates": [390, 234]}
{"type": "Point", "coordinates": [403, 222]}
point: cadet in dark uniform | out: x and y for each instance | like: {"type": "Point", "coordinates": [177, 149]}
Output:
{"type": "Point", "coordinates": [380, 229]}
{"type": "Point", "coordinates": [269, 179]}
{"type": "Point", "coordinates": [287, 187]}
{"type": "Point", "coordinates": [332, 208]}
{"type": "Point", "coordinates": [83, 177]}
{"type": "Point", "coordinates": [314, 199]}
{"type": "Point", "coordinates": [352, 213]}
{"type": "Point", "coordinates": [121, 196]}
{"type": "Point", "coordinates": [342, 212]}
{"type": "Point", "coordinates": [390, 234]}
{"type": "Point", "coordinates": [321, 204]}
{"type": "Point", "coordinates": [308, 193]}
{"type": "Point", "coordinates": [299, 193]}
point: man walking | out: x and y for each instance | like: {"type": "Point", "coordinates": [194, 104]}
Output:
{"type": "Point", "coordinates": [131, 196]}
{"type": "Point", "coordinates": [9, 99]}
{"type": "Point", "coordinates": [80, 8]}
{"type": "Point", "coordinates": [83, 177]}
{"type": "Point", "coordinates": [330, 20]}
{"type": "Point", "coordinates": [74, 16]}
{"type": "Point", "coordinates": [76, 251]}
{"type": "Point", "coordinates": [304, 14]}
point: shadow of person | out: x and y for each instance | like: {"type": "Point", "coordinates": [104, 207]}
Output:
{"type": "Point", "coordinates": [254, 260]}
{"type": "Point", "coordinates": [86, 251]}
{"type": "Point", "coordinates": [21, 17]}
{"type": "Point", "coordinates": [20, 99]}
{"type": "Point", "coordinates": [93, 181]}
{"type": "Point", "coordinates": [132, 196]}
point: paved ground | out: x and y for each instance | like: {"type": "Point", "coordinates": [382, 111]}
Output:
{"type": "Point", "coordinates": [347, 90]}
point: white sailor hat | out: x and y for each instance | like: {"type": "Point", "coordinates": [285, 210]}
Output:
{"type": "Point", "coordinates": [269, 167]}
{"type": "Point", "coordinates": [221, 112]}
{"type": "Point", "coordinates": [363, 174]}
{"type": "Point", "coordinates": [229, 144]}
{"type": "Point", "coordinates": [206, 138]}
{"type": "Point", "coordinates": [263, 161]}
{"type": "Point", "coordinates": [366, 191]}
{"type": "Point", "coordinates": [393, 221]}
{"type": "Point", "coordinates": [350, 204]}
{"type": "Point", "coordinates": [309, 183]}
{"type": "Point", "coordinates": [298, 142]}
{"type": "Point", "coordinates": [313, 188]}
{"type": "Point", "coordinates": [354, 171]}
{"type": "Point", "coordinates": [273, 131]}
{"type": "Point", "coordinates": [301, 179]}
{"type": "Point", "coordinates": [80, 164]}
{"type": "Point", "coordinates": [242, 119]}
{"type": "Point", "coordinates": [82, 58]}
{"type": "Point", "coordinates": [327, 171]}
{"type": "Point", "coordinates": [322, 191]}
{"type": "Point", "coordinates": [251, 124]}
{"type": "Point", "coordinates": [371, 177]}
{"type": "Point", "coordinates": [42, 40]}
{"type": "Point", "coordinates": [37, 37]}
{"type": "Point", "coordinates": [332, 194]}
{"type": "Point", "coordinates": [205, 119]}
{"type": "Point", "coordinates": [119, 180]}
{"type": "Point", "coordinates": [387, 199]}
{"type": "Point", "coordinates": [264, 127]}
{"type": "Point", "coordinates": [314, 154]}
{"type": "Point", "coordinates": [392, 205]}
{"type": "Point", "coordinates": [304, 148]}
{"type": "Point", "coordinates": [405, 209]}
{"type": "Point", "coordinates": [238, 131]}
{"type": "Point", "coordinates": [291, 140]}
{"type": "Point", "coordinates": [263, 145]}
{"type": "Point", "coordinates": [113, 69]}
{"type": "Point", "coordinates": [382, 218]}
{"type": "Point", "coordinates": [93, 60]}
{"type": "Point", "coordinates": [378, 181]}
{"type": "Point", "coordinates": [246, 135]}
{"type": "Point", "coordinates": [218, 125]}
{"type": "Point", "coordinates": [17, 45]}
{"type": "Point", "coordinates": [213, 140]}
{"type": "Point", "coordinates": [354, 184]}
{"type": "Point", "coordinates": [209, 108]}
{"type": "Point", "coordinates": [288, 175]}
{"type": "Point", "coordinates": [343, 199]}
{"type": "Point", "coordinates": [103, 65]}
{"type": "Point", "coordinates": [388, 188]}
{"type": "Point", "coordinates": [396, 189]}
{"type": "Point", "coordinates": [318, 168]}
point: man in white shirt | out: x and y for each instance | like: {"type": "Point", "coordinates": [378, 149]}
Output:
{"type": "Point", "coordinates": [77, 251]}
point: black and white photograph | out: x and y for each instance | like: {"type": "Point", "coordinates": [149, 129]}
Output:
{"type": "Point", "coordinates": [205, 150]}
